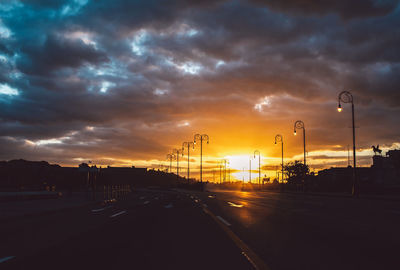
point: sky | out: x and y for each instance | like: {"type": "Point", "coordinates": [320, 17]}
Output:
{"type": "Point", "coordinates": [123, 83]}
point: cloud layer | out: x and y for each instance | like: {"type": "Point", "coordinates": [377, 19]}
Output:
{"type": "Point", "coordinates": [125, 81]}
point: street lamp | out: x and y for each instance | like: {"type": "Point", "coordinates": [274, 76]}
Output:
{"type": "Point", "coordinates": [250, 169]}
{"type": "Point", "coordinates": [279, 138]}
{"type": "Point", "coordinates": [347, 97]}
{"type": "Point", "coordinates": [259, 165]}
{"type": "Point", "coordinates": [300, 125]}
{"type": "Point", "coordinates": [220, 173]}
{"type": "Point", "coordinates": [177, 152]}
{"type": "Point", "coordinates": [201, 138]}
{"type": "Point", "coordinates": [224, 161]}
{"type": "Point", "coordinates": [188, 145]}
{"type": "Point", "coordinates": [170, 157]}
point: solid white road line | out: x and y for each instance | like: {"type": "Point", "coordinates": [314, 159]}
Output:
{"type": "Point", "coordinates": [224, 221]}
{"type": "Point", "coordinates": [117, 214]}
{"type": "Point", "coordinates": [6, 258]}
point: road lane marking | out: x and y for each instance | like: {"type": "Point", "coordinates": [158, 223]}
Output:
{"type": "Point", "coordinates": [117, 214]}
{"type": "Point", "coordinates": [6, 258]}
{"type": "Point", "coordinates": [146, 202]}
{"type": "Point", "coordinates": [224, 221]}
{"type": "Point", "coordinates": [249, 259]}
{"type": "Point", "coordinates": [211, 196]}
{"type": "Point", "coordinates": [205, 205]}
{"type": "Point", "coordinates": [100, 209]}
{"type": "Point", "coordinates": [142, 198]}
{"type": "Point", "coordinates": [235, 205]}
{"type": "Point", "coordinates": [249, 254]}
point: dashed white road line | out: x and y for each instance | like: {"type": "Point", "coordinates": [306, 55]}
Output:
{"type": "Point", "coordinates": [143, 197]}
{"type": "Point", "coordinates": [205, 205]}
{"type": "Point", "coordinates": [6, 258]}
{"type": "Point", "coordinates": [100, 209]}
{"type": "Point", "coordinates": [235, 205]}
{"type": "Point", "coordinates": [146, 202]}
{"type": "Point", "coordinates": [117, 214]}
{"type": "Point", "coordinates": [224, 221]}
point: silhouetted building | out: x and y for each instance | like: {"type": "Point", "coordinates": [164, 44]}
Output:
{"type": "Point", "coordinates": [383, 175]}
{"type": "Point", "coordinates": [386, 168]}
{"type": "Point", "coordinates": [40, 175]}
{"type": "Point", "coordinates": [122, 175]}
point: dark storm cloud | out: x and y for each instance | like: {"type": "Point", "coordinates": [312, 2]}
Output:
{"type": "Point", "coordinates": [142, 68]}
{"type": "Point", "coordinates": [345, 9]}
{"type": "Point", "coordinates": [57, 53]}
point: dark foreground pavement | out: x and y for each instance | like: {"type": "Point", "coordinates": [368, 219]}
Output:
{"type": "Point", "coordinates": [177, 229]}
{"type": "Point", "coordinates": [148, 230]}
{"type": "Point", "coordinates": [300, 231]}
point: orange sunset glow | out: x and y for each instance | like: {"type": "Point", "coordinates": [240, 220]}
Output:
{"type": "Point", "coordinates": [132, 103]}
{"type": "Point", "coordinates": [199, 134]}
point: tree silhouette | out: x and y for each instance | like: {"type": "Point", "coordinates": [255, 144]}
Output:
{"type": "Point", "coordinates": [296, 171]}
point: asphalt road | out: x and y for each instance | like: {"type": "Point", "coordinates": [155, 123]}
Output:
{"type": "Point", "coordinates": [148, 230]}
{"type": "Point", "coordinates": [299, 231]}
{"type": "Point", "coordinates": [176, 229]}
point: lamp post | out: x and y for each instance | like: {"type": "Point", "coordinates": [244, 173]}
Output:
{"type": "Point", "coordinates": [220, 173]}
{"type": "Point", "coordinates": [177, 152]}
{"type": "Point", "coordinates": [188, 145]}
{"type": "Point", "coordinates": [170, 157]}
{"type": "Point", "coordinates": [259, 165]}
{"type": "Point", "coordinates": [250, 169]}
{"type": "Point", "coordinates": [224, 161]}
{"type": "Point", "coordinates": [201, 138]}
{"type": "Point", "coordinates": [347, 97]}
{"type": "Point", "coordinates": [279, 138]}
{"type": "Point", "coordinates": [300, 125]}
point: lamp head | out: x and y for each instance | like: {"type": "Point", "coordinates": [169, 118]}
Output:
{"type": "Point", "coordinates": [295, 133]}
{"type": "Point", "coordinates": [339, 108]}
